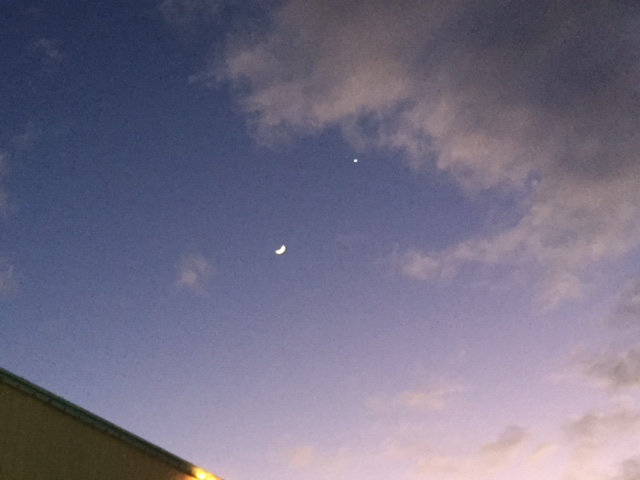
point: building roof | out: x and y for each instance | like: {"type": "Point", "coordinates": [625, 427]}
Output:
{"type": "Point", "coordinates": [103, 425]}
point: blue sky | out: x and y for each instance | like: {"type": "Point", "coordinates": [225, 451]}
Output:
{"type": "Point", "coordinates": [461, 303]}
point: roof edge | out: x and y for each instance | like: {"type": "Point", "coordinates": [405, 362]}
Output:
{"type": "Point", "coordinates": [103, 425]}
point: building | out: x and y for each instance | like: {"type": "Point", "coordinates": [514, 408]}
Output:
{"type": "Point", "coordinates": [43, 437]}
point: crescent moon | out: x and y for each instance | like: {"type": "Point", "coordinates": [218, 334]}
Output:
{"type": "Point", "coordinates": [281, 250]}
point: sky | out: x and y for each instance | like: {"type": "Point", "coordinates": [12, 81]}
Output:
{"type": "Point", "coordinates": [461, 303]}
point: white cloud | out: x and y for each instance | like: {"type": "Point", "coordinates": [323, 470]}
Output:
{"type": "Point", "coordinates": [541, 100]}
{"type": "Point", "coordinates": [194, 273]}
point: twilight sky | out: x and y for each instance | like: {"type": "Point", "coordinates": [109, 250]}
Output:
{"type": "Point", "coordinates": [462, 303]}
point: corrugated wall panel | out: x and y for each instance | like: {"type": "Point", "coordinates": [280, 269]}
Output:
{"type": "Point", "coordinates": [40, 442]}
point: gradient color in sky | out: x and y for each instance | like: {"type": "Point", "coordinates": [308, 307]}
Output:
{"type": "Point", "coordinates": [461, 303]}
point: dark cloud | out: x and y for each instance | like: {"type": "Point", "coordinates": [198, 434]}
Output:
{"type": "Point", "coordinates": [508, 440]}
{"type": "Point", "coordinates": [629, 470]}
{"type": "Point", "coordinates": [496, 93]}
{"type": "Point", "coordinates": [615, 369]}
{"type": "Point", "coordinates": [627, 309]}
{"type": "Point", "coordinates": [570, 64]}
{"type": "Point", "coordinates": [563, 64]}
{"type": "Point", "coordinates": [604, 425]}
{"type": "Point", "coordinates": [490, 458]}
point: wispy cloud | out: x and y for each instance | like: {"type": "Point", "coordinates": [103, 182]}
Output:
{"type": "Point", "coordinates": [301, 456]}
{"type": "Point", "coordinates": [614, 369]}
{"type": "Point", "coordinates": [194, 274]}
{"type": "Point", "coordinates": [23, 141]}
{"type": "Point", "coordinates": [486, 461]}
{"type": "Point", "coordinates": [4, 196]}
{"type": "Point", "coordinates": [500, 451]}
{"type": "Point", "coordinates": [626, 312]}
{"type": "Point", "coordinates": [604, 425]}
{"type": "Point", "coordinates": [48, 50]}
{"type": "Point", "coordinates": [613, 366]}
{"type": "Point", "coordinates": [599, 440]}
{"type": "Point", "coordinates": [185, 13]}
{"type": "Point", "coordinates": [629, 469]}
{"type": "Point", "coordinates": [7, 278]}
{"type": "Point", "coordinates": [7, 271]}
{"type": "Point", "coordinates": [310, 458]}
{"type": "Point", "coordinates": [564, 232]}
{"type": "Point", "coordinates": [483, 91]}
{"type": "Point", "coordinates": [542, 452]}
{"type": "Point", "coordinates": [434, 396]}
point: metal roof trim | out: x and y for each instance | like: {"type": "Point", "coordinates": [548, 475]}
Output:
{"type": "Point", "coordinates": [95, 421]}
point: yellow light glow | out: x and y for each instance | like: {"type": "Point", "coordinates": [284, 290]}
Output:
{"type": "Point", "coordinates": [203, 475]}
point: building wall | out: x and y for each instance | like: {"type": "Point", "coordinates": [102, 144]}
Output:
{"type": "Point", "coordinates": [39, 441]}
